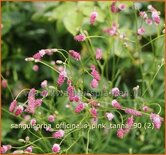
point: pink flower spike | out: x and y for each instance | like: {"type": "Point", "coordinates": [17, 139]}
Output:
{"type": "Point", "coordinates": [56, 148]}
{"type": "Point", "coordinates": [149, 21]}
{"type": "Point", "coordinates": [75, 55]}
{"type": "Point", "coordinates": [114, 8]}
{"type": "Point", "coordinates": [115, 92]}
{"type": "Point", "coordinates": [35, 68]}
{"type": "Point", "coordinates": [80, 37]}
{"type": "Point", "coordinates": [120, 133]}
{"type": "Point", "coordinates": [51, 118]}
{"type": "Point", "coordinates": [58, 134]}
{"type": "Point", "coordinates": [93, 17]}
{"type": "Point", "coordinates": [13, 106]}
{"type": "Point", "coordinates": [99, 54]}
{"type": "Point", "coordinates": [29, 149]}
{"type": "Point", "coordinates": [141, 31]}
{"type": "Point", "coordinates": [109, 116]}
{"type": "Point", "coordinates": [130, 122]}
{"type": "Point", "coordinates": [93, 112]}
{"type": "Point", "coordinates": [76, 99]}
{"type": "Point", "coordinates": [156, 17]}
{"type": "Point", "coordinates": [38, 102]}
{"type": "Point", "coordinates": [61, 78]}
{"type": "Point", "coordinates": [18, 110]}
{"type": "Point", "coordinates": [156, 119]}
{"type": "Point", "coordinates": [44, 84]}
{"type": "Point", "coordinates": [116, 104]}
{"type": "Point", "coordinates": [44, 93]}
{"type": "Point", "coordinates": [95, 74]}
{"type": "Point", "coordinates": [42, 52]}
{"type": "Point", "coordinates": [133, 112]}
{"type": "Point", "coordinates": [4, 83]}
{"type": "Point", "coordinates": [33, 121]}
{"type": "Point", "coordinates": [94, 83]}
{"type": "Point", "coordinates": [37, 56]}
{"type": "Point", "coordinates": [80, 107]}
{"type": "Point", "coordinates": [5, 148]}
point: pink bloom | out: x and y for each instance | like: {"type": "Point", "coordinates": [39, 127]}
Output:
{"type": "Point", "coordinates": [133, 112]}
{"type": "Point", "coordinates": [33, 121]}
{"type": "Point", "coordinates": [109, 116]}
{"type": "Point", "coordinates": [49, 129]}
{"type": "Point", "coordinates": [115, 92]}
{"type": "Point", "coordinates": [4, 83]}
{"type": "Point", "coordinates": [120, 133]}
{"type": "Point", "coordinates": [116, 105]}
{"type": "Point", "coordinates": [32, 93]}
{"type": "Point", "coordinates": [38, 102]}
{"type": "Point", "coordinates": [156, 119]}
{"type": "Point", "coordinates": [156, 17]}
{"type": "Point", "coordinates": [94, 83]}
{"type": "Point", "coordinates": [80, 107]}
{"type": "Point", "coordinates": [29, 149]}
{"type": "Point", "coordinates": [114, 8]}
{"type": "Point", "coordinates": [112, 31]}
{"type": "Point", "coordinates": [145, 108]}
{"type": "Point", "coordinates": [148, 21]}
{"type": "Point", "coordinates": [42, 52]}
{"type": "Point", "coordinates": [70, 91]}
{"type": "Point", "coordinates": [18, 110]}
{"type": "Point", "coordinates": [44, 93]}
{"type": "Point", "coordinates": [95, 73]}
{"type": "Point", "coordinates": [56, 148]}
{"type": "Point", "coordinates": [93, 112]}
{"type": "Point", "coordinates": [121, 7]}
{"type": "Point", "coordinates": [35, 68]}
{"type": "Point", "coordinates": [32, 102]}
{"type": "Point", "coordinates": [141, 31]}
{"type": "Point", "coordinates": [61, 78]}
{"type": "Point", "coordinates": [75, 55]}
{"type": "Point", "coordinates": [76, 99]}
{"type": "Point", "coordinates": [130, 122]}
{"type": "Point", "coordinates": [5, 148]}
{"type": "Point", "coordinates": [51, 118]}
{"type": "Point", "coordinates": [143, 14]}
{"type": "Point", "coordinates": [93, 17]}
{"type": "Point", "coordinates": [58, 134]}
{"type": "Point", "coordinates": [80, 37]}
{"type": "Point", "coordinates": [13, 105]}
{"type": "Point", "coordinates": [44, 84]}
{"type": "Point", "coordinates": [99, 54]}
{"type": "Point", "coordinates": [37, 56]}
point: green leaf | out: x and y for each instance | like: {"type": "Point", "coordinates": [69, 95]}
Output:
{"type": "Point", "coordinates": [73, 21]}
{"type": "Point", "coordinates": [4, 50]}
{"type": "Point", "coordinates": [6, 126]}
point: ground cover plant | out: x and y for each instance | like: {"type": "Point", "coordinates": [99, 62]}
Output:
{"type": "Point", "coordinates": [82, 77]}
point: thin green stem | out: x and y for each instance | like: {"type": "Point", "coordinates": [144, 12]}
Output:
{"type": "Point", "coordinates": [87, 145]}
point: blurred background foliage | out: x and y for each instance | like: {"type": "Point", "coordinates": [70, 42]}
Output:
{"type": "Point", "coordinates": [28, 27]}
